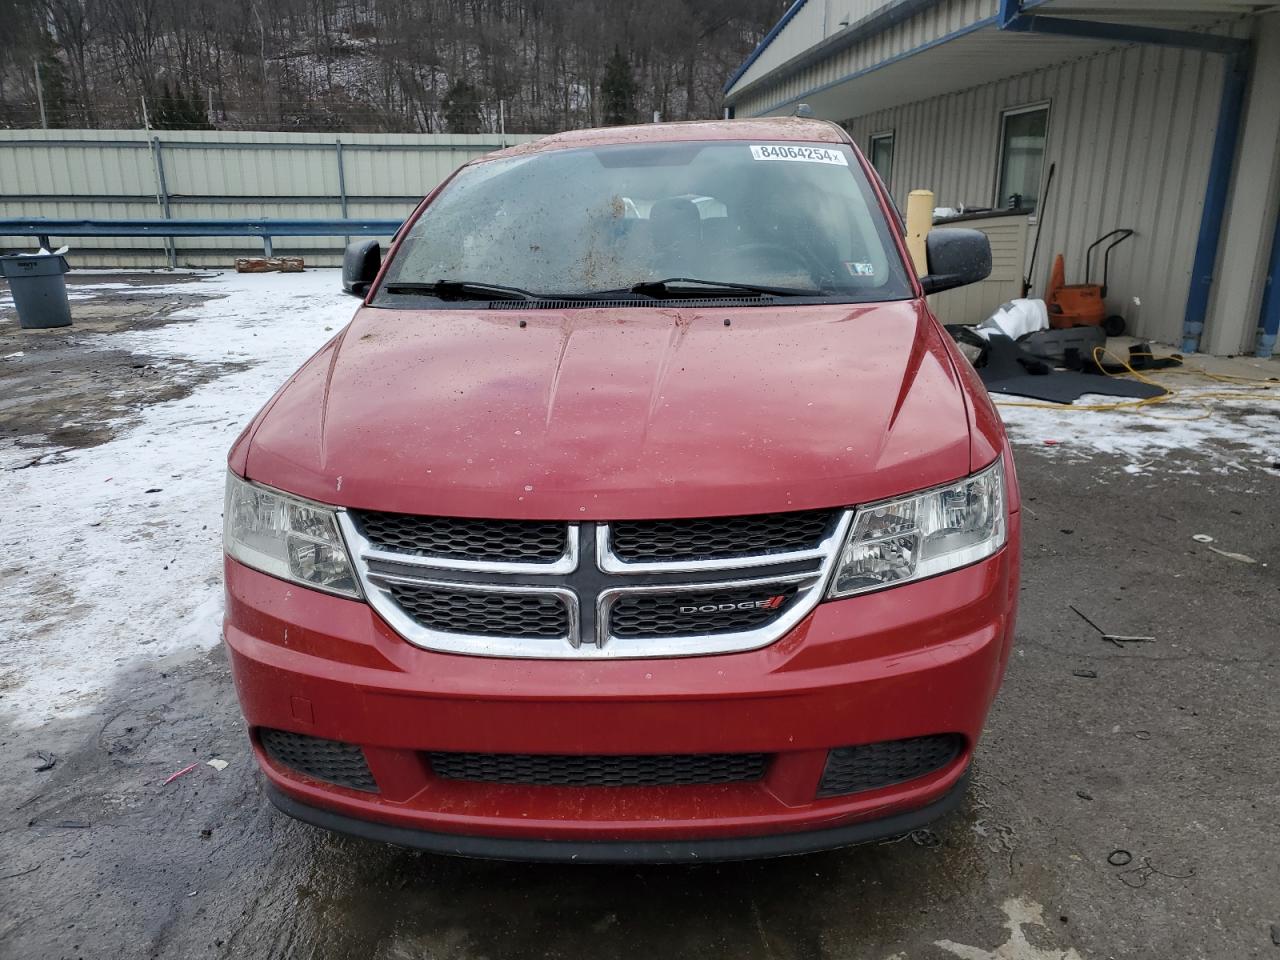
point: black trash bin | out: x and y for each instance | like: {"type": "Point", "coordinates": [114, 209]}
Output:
{"type": "Point", "coordinates": [39, 290]}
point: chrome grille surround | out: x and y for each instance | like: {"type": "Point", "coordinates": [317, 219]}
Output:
{"type": "Point", "coordinates": [589, 579]}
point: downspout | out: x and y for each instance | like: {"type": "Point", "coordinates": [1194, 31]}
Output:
{"type": "Point", "coordinates": [1230, 109]}
{"type": "Point", "coordinates": [1269, 317]}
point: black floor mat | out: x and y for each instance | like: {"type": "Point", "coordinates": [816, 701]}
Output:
{"type": "Point", "coordinates": [1011, 370]}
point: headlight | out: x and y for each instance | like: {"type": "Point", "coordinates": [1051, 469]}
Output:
{"type": "Point", "coordinates": [286, 537]}
{"type": "Point", "coordinates": [924, 534]}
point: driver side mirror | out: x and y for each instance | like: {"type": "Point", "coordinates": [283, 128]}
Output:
{"type": "Point", "coordinates": [360, 265]}
{"type": "Point", "coordinates": [956, 256]}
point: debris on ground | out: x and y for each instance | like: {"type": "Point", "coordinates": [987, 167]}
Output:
{"type": "Point", "coordinates": [269, 265]}
{"type": "Point", "coordinates": [1115, 639]}
{"type": "Point", "coordinates": [1230, 555]}
{"type": "Point", "coordinates": [179, 773]}
{"type": "Point", "coordinates": [47, 760]}
{"type": "Point", "coordinates": [1139, 875]}
{"type": "Point", "coordinates": [218, 765]}
{"type": "Point", "coordinates": [1120, 858]}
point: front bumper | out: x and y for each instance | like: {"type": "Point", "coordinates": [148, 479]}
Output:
{"type": "Point", "coordinates": [918, 660]}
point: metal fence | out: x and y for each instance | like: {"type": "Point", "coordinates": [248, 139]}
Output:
{"type": "Point", "coordinates": [213, 175]}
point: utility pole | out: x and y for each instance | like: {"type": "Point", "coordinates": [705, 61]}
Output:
{"type": "Point", "coordinates": [502, 120]}
{"type": "Point", "coordinates": [44, 121]}
{"type": "Point", "coordinates": [146, 121]}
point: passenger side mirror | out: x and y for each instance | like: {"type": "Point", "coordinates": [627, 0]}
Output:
{"type": "Point", "coordinates": [360, 265]}
{"type": "Point", "coordinates": [956, 256]}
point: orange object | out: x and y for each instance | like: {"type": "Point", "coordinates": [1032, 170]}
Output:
{"type": "Point", "coordinates": [1057, 280]}
{"type": "Point", "coordinates": [1084, 304]}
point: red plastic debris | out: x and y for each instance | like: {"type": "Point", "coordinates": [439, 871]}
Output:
{"type": "Point", "coordinates": [183, 772]}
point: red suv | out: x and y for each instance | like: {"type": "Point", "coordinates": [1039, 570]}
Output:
{"type": "Point", "coordinates": [643, 512]}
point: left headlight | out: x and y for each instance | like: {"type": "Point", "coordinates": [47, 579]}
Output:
{"type": "Point", "coordinates": [924, 534]}
{"type": "Point", "coordinates": [286, 537]}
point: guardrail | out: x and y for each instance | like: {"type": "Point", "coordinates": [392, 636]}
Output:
{"type": "Point", "coordinates": [44, 229]}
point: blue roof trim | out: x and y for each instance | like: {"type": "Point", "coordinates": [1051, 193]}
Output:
{"type": "Point", "coordinates": [760, 47]}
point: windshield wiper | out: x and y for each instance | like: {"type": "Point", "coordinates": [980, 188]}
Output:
{"type": "Point", "coordinates": [677, 287]}
{"type": "Point", "coordinates": [462, 290]}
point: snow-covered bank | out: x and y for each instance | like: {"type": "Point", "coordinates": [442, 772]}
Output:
{"type": "Point", "coordinates": [113, 552]}
{"type": "Point", "coordinates": [1206, 428]}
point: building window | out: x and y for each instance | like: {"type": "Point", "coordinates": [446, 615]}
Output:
{"type": "Point", "coordinates": [882, 154]}
{"type": "Point", "coordinates": [1022, 138]}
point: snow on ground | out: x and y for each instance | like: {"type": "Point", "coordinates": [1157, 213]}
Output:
{"type": "Point", "coordinates": [113, 552]}
{"type": "Point", "coordinates": [1203, 429]}
{"type": "Point", "coordinates": [77, 291]}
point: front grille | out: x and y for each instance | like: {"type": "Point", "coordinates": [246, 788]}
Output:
{"type": "Point", "coordinates": [483, 614]}
{"type": "Point", "coordinates": [582, 588]}
{"type": "Point", "coordinates": [547, 770]}
{"type": "Point", "coordinates": [459, 538]}
{"type": "Point", "coordinates": [329, 760]}
{"type": "Point", "coordinates": [713, 538]}
{"type": "Point", "coordinates": [874, 765]}
{"type": "Point", "coordinates": [672, 614]}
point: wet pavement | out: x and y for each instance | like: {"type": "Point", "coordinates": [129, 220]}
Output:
{"type": "Point", "coordinates": [1166, 751]}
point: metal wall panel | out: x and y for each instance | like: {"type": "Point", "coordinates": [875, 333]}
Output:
{"type": "Point", "coordinates": [808, 27]}
{"type": "Point", "coordinates": [756, 93]}
{"type": "Point", "coordinates": [1131, 132]}
{"type": "Point", "coordinates": [96, 174]}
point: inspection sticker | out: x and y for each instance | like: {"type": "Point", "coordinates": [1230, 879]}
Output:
{"type": "Point", "coordinates": [809, 154]}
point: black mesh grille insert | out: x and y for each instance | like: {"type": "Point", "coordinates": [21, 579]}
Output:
{"type": "Point", "coordinates": [329, 760]}
{"type": "Point", "coordinates": [459, 538]}
{"type": "Point", "coordinates": [851, 769]}
{"type": "Point", "coordinates": [483, 614]}
{"type": "Point", "coordinates": [708, 538]}
{"type": "Point", "coordinates": [600, 771]}
{"type": "Point", "coordinates": [675, 614]}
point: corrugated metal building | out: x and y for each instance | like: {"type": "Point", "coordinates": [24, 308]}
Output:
{"type": "Point", "coordinates": [1157, 116]}
{"type": "Point", "coordinates": [213, 174]}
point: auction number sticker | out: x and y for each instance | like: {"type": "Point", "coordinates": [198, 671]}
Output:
{"type": "Point", "coordinates": [806, 154]}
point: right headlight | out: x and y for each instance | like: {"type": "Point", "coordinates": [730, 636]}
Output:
{"type": "Point", "coordinates": [287, 537]}
{"type": "Point", "coordinates": [923, 534]}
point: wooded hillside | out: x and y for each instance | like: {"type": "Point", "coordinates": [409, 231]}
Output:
{"type": "Point", "coordinates": [391, 65]}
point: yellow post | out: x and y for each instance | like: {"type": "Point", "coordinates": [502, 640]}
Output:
{"type": "Point", "coordinates": [919, 221]}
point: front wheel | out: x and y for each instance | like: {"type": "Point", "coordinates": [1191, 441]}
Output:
{"type": "Point", "coordinates": [1113, 326]}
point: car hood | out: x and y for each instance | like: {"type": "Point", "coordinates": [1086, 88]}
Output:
{"type": "Point", "coordinates": [619, 414]}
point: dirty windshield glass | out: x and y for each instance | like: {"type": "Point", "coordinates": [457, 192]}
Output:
{"type": "Point", "coordinates": [797, 217]}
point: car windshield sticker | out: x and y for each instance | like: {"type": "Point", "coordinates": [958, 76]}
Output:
{"type": "Point", "coordinates": [860, 268]}
{"type": "Point", "coordinates": [808, 154]}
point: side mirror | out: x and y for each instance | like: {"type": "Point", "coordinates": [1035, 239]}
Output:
{"type": "Point", "coordinates": [956, 256]}
{"type": "Point", "coordinates": [360, 265]}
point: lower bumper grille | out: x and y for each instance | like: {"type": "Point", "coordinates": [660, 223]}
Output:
{"type": "Point", "coordinates": [875, 765]}
{"type": "Point", "coordinates": [332, 761]}
{"type": "Point", "coordinates": [548, 770]}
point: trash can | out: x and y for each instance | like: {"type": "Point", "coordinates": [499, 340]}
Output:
{"type": "Point", "coordinates": [39, 290]}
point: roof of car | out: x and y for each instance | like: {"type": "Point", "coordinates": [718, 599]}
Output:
{"type": "Point", "coordinates": [766, 128]}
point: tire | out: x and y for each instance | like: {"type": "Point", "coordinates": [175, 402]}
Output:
{"type": "Point", "coordinates": [1113, 326]}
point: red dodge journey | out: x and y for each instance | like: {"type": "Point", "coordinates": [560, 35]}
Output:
{"type": "Point", "coordinates": [642, 512]}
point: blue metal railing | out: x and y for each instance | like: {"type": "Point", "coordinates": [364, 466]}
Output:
{"type": "Point", "coordinates": [267, 228]}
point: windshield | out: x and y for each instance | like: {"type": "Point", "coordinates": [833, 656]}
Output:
{"type": "Point", "coordinates": [797, 217]}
